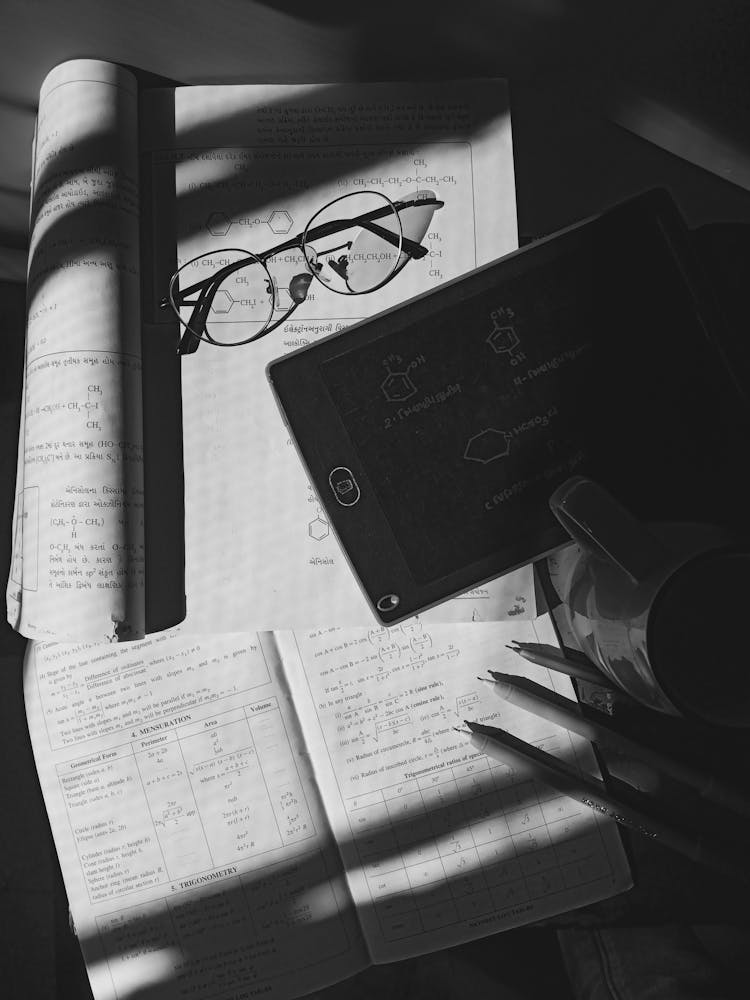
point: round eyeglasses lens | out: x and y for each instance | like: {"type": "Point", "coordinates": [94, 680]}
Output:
{"type": "Point", "coordinates": [242, 291]}
{"type": "Point", "coordinates": [353, 244]}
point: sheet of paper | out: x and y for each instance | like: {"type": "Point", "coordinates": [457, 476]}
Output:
{"type": "Point", "coordinates": [249, 167]}
{"type": "Point", "coordinates": [77, 568]}
{"type": "Point", "coordinates": [194, 849]}
{"type": "Point", "coordinates": [441, 844]}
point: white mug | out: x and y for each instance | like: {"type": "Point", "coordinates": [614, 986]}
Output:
{"type": "Point", "coordinates": [659, 609]}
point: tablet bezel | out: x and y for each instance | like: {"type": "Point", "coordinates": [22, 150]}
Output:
{"type": "Point", "coordinates": [324, 444]}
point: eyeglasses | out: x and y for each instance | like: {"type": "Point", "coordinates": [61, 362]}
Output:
{"type": "Point", "coordinates": [354, 245]}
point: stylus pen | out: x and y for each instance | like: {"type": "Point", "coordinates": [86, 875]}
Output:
{"type": "Point", "coordinates": [545, 649]}
{"type": "Point", "coordinates": [535, 764]}
{"type": "Point", "coordinates": [554, 659]}
{"type": "Point", "coordinates": [549, 705]}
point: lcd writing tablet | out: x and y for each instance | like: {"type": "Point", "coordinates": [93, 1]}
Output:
{"type": "Point", "coordinates": [435, 433]}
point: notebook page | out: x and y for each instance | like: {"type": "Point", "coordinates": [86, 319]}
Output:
{"type": "Point", "coordinates": [77, 568]}
{"type": "Point", "coordinates": [247, 168]}
{"type": "Point", "coordinates": [443, 845]}
{"type": "Point", "coordinates": [191, 839]}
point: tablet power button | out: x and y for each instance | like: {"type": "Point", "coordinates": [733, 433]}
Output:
{"type": "Point", "coordinates": [344, 486]}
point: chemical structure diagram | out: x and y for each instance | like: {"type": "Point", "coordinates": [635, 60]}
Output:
{"type": "Point", "coordinates": [398, 385]}
{"type": "Point", "coordinates": [487, 445]}
{"type": "Point", "coordinates": [411, 177]}
{"type": "Point", "coordinates": [492, 443]}
{"type": "Point", "coordinates": [318, 528]}
{"type": "Point", "coordinates": [88, 408]}
{"type": "Point", "coordinates": [503, 338]}
{"type": "Point", "coordinates": [279, 222]}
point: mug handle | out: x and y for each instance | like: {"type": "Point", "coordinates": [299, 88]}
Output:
{"type": "Point", "coordinates": [601, 525]}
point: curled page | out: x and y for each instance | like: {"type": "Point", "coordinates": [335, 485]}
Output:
{"type": "Point", "coordinates": [77, 568]}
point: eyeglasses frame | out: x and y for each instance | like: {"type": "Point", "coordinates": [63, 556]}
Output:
{"type": "Point", "coordinates": [207, 287]}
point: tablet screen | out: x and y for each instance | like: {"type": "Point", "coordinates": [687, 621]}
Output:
{"type": "Point", "coordinates": [591, 363]}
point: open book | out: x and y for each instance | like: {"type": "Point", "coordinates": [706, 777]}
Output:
{"type": "Point", "coordinates": [129, 186]}
{"type": "Point", "coordinates": [263, 814]}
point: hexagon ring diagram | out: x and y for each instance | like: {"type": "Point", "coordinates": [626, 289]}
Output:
{"type": "Point", "coordinates": [279, 221]}
{"type": "Point", "coordinates": [503, 340]}
{"type": "Point", "coordinates": [486, 446]}
{"type": "Point", "coordinates": [398, 387]}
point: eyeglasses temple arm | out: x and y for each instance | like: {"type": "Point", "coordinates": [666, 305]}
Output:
{"type": "Point", "coordinates": [196, 325]}
{"type": "Point", "coordinates": [414, 250]}
{"type": "Point", "coordinates": [189, 343]}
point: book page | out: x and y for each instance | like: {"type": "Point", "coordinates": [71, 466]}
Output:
{"type": "Point", "coordinates": [196, 855]}
{"type": "Point", "coordinates": [244, 169]}
{"type": "Point", "coordinates": [442, 844]}
{"type": "Point", "coordinates": [77, 567]}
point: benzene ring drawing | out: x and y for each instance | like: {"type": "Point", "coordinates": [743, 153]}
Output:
{"type": "Point", "coordinates": [397, 387]}
{"type": "Point", "coordinates": [503, 340]}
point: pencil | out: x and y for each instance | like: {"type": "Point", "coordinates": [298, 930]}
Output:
{"type": "Point", "coordinates": [554, 659]}
{"type": "Point", "coordinates": [545, 649]}
{"type": "Point", "coordinates": [554, 707]}
{"type": "Point", "coordinates": [556, 774]}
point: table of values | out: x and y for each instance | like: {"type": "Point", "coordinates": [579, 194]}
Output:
{"type": "Point", "coordinates": [162, 807]}
{"type": "Point", "coordinates": [469, 840]}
